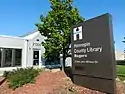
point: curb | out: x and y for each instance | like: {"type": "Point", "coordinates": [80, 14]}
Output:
{"type": "Point", "coordinates": [2, 79]}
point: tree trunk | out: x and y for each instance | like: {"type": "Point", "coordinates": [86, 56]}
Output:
{"type": "Point", "coordinates": [64, 57]}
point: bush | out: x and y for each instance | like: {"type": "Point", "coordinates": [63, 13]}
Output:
{"type": "Point", "coordinates": [120, 62]}
{"type": "Point", "coordinates": [68, 68]}
{"type": "Point", "coordinates": [68, 71]}
{"type": "Point", "coordinates": [21, 76]}
{"type": "Point", "coordinates": [5, 74]}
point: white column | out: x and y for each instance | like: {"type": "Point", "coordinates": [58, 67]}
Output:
{"type": "Point", "coordinates": [40, 61]}
{"type": "Point", "coordinates": [61, 60]}
{"type": "Point", "coordinates": [25, 55]}
{"type": "Point", "coordinates": [13, 58]}
{"type": "Point", "coordinates": [2, 57]}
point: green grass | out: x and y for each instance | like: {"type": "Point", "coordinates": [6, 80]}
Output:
{"type": "Point", "coordinates": [121, 71]}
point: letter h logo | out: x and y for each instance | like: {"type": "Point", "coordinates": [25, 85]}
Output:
{"type": "Point", "coordinates": [77, 33]}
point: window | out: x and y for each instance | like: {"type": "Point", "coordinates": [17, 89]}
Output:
{"type": "Point", "coordinates": [10, 57]}
{"type": "Point", "coordinates": [37, 39]}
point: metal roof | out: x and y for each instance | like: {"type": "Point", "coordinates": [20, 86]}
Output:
{"type": "Point", "coordinates": [29, 33]}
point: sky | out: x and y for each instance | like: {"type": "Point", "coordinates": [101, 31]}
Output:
{"type": "Point", "coordinates": [18, 17]}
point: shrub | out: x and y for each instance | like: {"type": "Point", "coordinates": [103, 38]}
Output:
{"type": "Point", "coordinates": [21, 76]}
{"type": "Point", "coordinates": [5, 74]}
{"type": "Point", "coordinates": [68, 71]}
{"type": "Point", "coordinates": [120, 62]}
{"type": "Point", "coordinates": [40, 69]}
{"type": "Point", "coordinates": [68, 68]}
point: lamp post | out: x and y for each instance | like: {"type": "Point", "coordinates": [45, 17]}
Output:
{"type": "Point", "coordinates": [124, 49]}
{"type": "Point", "coordinates": [123, 40]}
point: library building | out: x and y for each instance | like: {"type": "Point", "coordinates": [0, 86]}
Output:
{"type": "Point", "coordinates": [20, 52]}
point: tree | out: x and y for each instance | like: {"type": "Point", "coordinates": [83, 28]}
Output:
{"type": "Point", "coordinates": [56, 28]}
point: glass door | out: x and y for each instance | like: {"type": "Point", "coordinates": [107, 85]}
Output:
{"type": "Point", "coordinates": [35, 57]}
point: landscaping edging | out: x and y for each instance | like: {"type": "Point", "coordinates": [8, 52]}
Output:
{"type": "Point", "coordinates": [2, 79]}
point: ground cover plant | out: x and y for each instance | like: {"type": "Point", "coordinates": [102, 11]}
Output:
{"type": "Point", "coordinates": [21, 76]}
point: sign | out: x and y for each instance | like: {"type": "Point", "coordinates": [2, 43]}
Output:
{"type": "Point", "coordinates": [93, 57]}
{"type": "Point", "coordinates": [36, 44]}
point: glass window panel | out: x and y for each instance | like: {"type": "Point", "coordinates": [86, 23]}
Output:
{"type": "Point", "coordinates": [0, 56]}
{"type": "Point", "coordinates": [8, 57]}
{"type": "Point", "coordinates": [18, 57]}
{"type": "Point", "coordinates": [36, 62]}
{"type": "Point", "coordinates": [36, 55]}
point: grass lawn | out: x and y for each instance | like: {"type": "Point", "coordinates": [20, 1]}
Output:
{"type": "Point", "coordinates": [121, 71]}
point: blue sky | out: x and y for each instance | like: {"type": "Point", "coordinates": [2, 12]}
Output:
{"type": "Point", "coordinates": [18, 17]}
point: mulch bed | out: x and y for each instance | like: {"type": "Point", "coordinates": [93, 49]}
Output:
{"type": "Point", "coordinates": [52, 83]}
